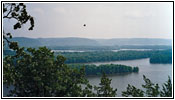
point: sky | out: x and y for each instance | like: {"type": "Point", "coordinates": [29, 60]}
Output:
{"type": "Point", "coordinates": [103, 20]}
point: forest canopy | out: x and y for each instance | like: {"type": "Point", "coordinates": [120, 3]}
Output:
{"type": "Point", "coordinates": [108, 69]}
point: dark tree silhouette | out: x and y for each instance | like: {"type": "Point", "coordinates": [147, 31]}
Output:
{"type": "Point", "coordinates": [18, 13]}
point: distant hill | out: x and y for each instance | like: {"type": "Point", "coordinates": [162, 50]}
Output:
{"type": "Point", "coordinates": [134, 41]}
{"type": "Point", "coordinates": [35, 42]}
{"type": "Point", "coordinates": [27, 42]}
{"type": "Point", "coordinates": [73, 41]}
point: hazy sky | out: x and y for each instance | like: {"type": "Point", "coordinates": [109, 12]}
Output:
{"type": "Point", "coordinates": [103, 20]}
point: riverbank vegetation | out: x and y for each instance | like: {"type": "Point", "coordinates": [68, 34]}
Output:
{"type": "Point", "coordinates": [156, 56]}
{"type": "Point", "coordinates": [100, 56]}
{"type": "Point", "coordinates": [108, 69]}
{"type": "Point", "coordinates": [36, 73]}
{"type": "Point", "coordinates": [161, 57]}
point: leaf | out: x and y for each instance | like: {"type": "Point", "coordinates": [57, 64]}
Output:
{"type": "Point", "coordinates": [17, 25]}
{"type": "Point", "coordinates": [4, 10]}
{"type": "Point", "coordinates": [32, 23]}
{"type": "Point", "coordinates": [13, 45]}
{"type": "Point", "coordinates": [21, 4]}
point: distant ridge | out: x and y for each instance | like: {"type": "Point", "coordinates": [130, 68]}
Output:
{"type": "Point", "coordinates": [69, 41]}
{"type": "Point", "coordinates": [27, 42]}
{"type": "Point", "coordinates": [75, 41]}
{"type": "Point", "coordinates": [135, 41]}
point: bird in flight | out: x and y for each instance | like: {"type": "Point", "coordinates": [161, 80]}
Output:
{"type": "Point", "coordinates": [84, 25]}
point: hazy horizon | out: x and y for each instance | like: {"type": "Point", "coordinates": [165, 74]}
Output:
{"type": "Point", "coordinates": [91, 38]}
{"type": "Point", "coordinates": [103, 20]}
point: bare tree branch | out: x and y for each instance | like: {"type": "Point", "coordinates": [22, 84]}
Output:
{"type": "Point", "coordinates": [8, 12]}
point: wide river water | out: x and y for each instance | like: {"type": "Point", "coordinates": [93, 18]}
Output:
{"type": "Point", "coordinates": [157, 73]}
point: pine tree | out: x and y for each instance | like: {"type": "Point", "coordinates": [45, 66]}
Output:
{"type": "Point", "coordinates": [167, 89]}
{"type": "Point", "coordinates": [133, 91]}
{"type": "Point", "coordinates": [105, 90]}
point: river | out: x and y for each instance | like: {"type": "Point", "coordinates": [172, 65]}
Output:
{"type": "Point", "coordinates": [105, 50]}
{"type": "Point", "coordinates": [157, 73]}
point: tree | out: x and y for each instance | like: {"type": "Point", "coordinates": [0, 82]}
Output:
{"type": "Point", "coordinates": [36, 73]}
{"type": "Point", "coordinates": [87, 92]}
{"type": "Point", "coordinates": [167, 89]}
{"type": "Point", "coordinates": [105, 90]}
{"type": "Point", "coordinates": [135, 69]}
{"type": "Point", "coordinates": [151, 89]}
{"type": "Point", "coordinates": [18, 13]}
{"type": "Point", "coordinates": [133, 91]}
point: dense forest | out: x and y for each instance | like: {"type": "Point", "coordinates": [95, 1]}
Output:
{"type": "Point", "coordinates": [100, 56]}
{"type": "Point", "coordinates": [161, 57]}
{"type": "Point", "coordinates": [156, 56]}
{"type": "Point", "coordinates": [107, 69]}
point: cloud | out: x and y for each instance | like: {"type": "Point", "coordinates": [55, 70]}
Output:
{"type": "Point", "coordinates": [103, 20]}
{"type": "Point", "coordinates": [138, 14]}
{"type": "Point", "coordinates": [60, 10]}
{"type": "Point", "coordinates": [38, 10]}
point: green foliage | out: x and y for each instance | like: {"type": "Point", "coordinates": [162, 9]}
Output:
{"type": "Point", "coordinates": [107, 69]}
{"type": "Point", "coordinates": [105, 90]}
{"type": "Point", "coordinates": [164, 56]}
{"type": "Point", "coordinates": [161, 57]}
{"type": "Point", "coordinates": [135, 69]}
{"type": "Point", "coordinates": [13, 45]}
{"type": "Point", "coordinates": [87, 92]}
{"type": "Point", "coordinates": [99, 56]}
{"type": "Point", "coordinates": [151, 89]}
{"type": "Point", "coordinates": [167, 89]}
{"type": "Point", "coordinates": [133, 91]}
{"type": "Point", "coordinates": [36, 73]}
{"type": "Point", "coordinates": [156, 56]}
